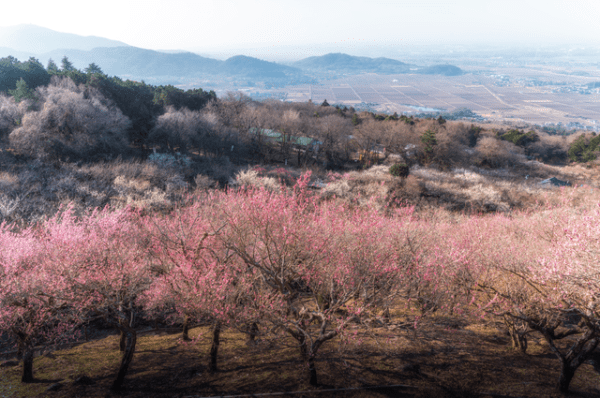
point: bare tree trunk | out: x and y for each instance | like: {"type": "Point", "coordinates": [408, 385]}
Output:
{"type": "Point", "coordinates": [214, 349]}
{"type": "Point", "coordinates": [27, 376]}
{"type": "Point", "coordinates": [253, 331]}
{"type": "Point", "coordinates": [122, 341]}
{"type": "Point", "coordinates": [566, 376]}
{"type": "Point", "coordinates": [386, 315]}
{"type": "Point", "coordinates": [576, 355]}
{"type": "Point", "coordinates": [519, 341]}
{"type": "Point", "coordinates": [518, 334]}
{"type": "Point", "coordinates": [186, 328]}
{"type": "Point", "coordinates": [131, 339]}
{"type": "Point", "coordinates": [312, 371]}
{"type": "Point", "coordinates": [572, 361]}
{"type": "Point", "coordinates": [308, 356]}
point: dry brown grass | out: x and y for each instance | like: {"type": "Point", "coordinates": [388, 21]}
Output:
{"type": "Point", "coordinates": [472, 189]}
{"type": "Point", "coordinates": [371, 185]}
{"type": "Point", "coordinates": [251, 178]}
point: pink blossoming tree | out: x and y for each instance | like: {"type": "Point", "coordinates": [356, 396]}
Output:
{"type": "Point", "coordinates": [32, 308]}
{"type": "Point", "coordinates": [102, 258]}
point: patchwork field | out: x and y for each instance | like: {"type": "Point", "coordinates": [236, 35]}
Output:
{"type": "Point", "coordinates": [535, 96]}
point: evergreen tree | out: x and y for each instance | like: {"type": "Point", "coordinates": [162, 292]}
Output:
{"type": "Point", "coordinates": [66, 65]}
{"type": "Point", "coordinates": [325, 103]}
{"type": "Point", "coordinates": [31, 71]}
{"type": "Point", "coordinates": [22, 91]}
{"type": "Point", "coordinates": [52, 67]}
{"type": "Point", "coordinates": [93, 69]}
{"type": "Point", "coordinates": [429, 141]}
{"type": "Point", "coordinates": [34, 73]}
{"type": "Point", "coordinates": [577, 150]}
{"type": "Point", "coordinates": [9, 73]}
{"type": "Point", "coordinates": [10, 60]}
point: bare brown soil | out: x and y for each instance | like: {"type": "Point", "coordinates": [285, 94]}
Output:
{"type": "Point", "coordinates": [443, 358]}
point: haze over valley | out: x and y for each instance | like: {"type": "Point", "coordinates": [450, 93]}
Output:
{"type": "Point", "coordinates": [531, 84]}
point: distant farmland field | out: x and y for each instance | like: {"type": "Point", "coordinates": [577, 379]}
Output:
{"type": "Point", "coordinates": [565, 101]}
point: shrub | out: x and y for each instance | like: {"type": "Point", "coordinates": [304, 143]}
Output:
{"type": "Point", "coordinates": [473, 135]}
{"type": "Point", "coordinates": [169, 160]}
{"type": "Point", "coordinates": [497, 153]}
{"type": "Point", "coordinates": [583, 150]}
{"type": "Point", "coordinates": [577, 148]}
{"type": "Point", "coordinates": [550, 148]}
{"type": "Point", "coordinates": [203, 182]}
{"type": "Point", "coordinates": [184, 130]}
{"type": "Point", "coordinates": [400, 170]}
{"type": "Point", "coordinates": [520, 138]}
{"type": "Point", "coordinates": [250, 178]}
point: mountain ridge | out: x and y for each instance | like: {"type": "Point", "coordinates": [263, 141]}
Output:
{"type": "Point", "coordinates": [118, 58]}
{"type": "Point", "coordinates": [37, 39]}
{"type": "Point", "coordinates": [341, 62]}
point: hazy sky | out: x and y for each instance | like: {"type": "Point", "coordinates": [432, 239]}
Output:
{"type": "Point", "coordinates": [207, 24]}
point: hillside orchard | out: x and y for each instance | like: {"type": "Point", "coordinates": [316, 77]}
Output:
{"type": "Point", "coordinates": [273, 264]}
{"type": "Point", "coordinates": [130, 206]}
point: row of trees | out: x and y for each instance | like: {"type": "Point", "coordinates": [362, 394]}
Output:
{"type": "Point", "coordinates": [16, 76]}
{"type": "Point", "coordinates": [286, 265]}
{"type": "Point", "coordinates": [343, 133]}
{"type": "Point", "coordinates": [250, 259]}
{"type": "Point", "coordinates": [32, 72]}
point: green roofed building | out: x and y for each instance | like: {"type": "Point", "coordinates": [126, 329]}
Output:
{"type": "Point", "coordinates": [278, 137]}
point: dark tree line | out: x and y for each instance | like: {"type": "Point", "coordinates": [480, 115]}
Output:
{"type": "Point", "coordinates": [31, 71]}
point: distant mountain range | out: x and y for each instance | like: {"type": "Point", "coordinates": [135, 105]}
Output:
{"type": "Point", "coordinates": [142, 63]}
{"type": "Point", "coordinates": [38, 40]}
{"type": "Point", "coordinates": [133, 61]}
{"type": "Point", "coordinates": [254, 68]}
{"type": "Point", "coordinates": [117, 58]}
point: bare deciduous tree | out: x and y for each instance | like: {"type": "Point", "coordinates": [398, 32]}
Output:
{"type": "Point", "coordinates": [73, 122]}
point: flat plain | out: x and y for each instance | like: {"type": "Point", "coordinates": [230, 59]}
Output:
{"type": "Point", "coordinates": [531, 94]}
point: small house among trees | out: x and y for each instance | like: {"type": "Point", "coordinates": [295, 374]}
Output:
{"type": "Point", "coordinates": [302, 142]}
